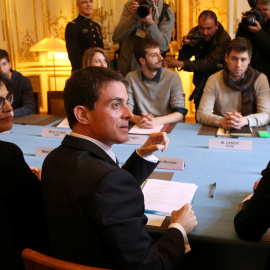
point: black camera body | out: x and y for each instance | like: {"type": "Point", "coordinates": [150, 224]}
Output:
{"type": "Point", "coordinates": [143, 9]}
{"type": "Point", "coordinates": [252, 15]}
{"type": "Point", "coordinates": [190, 48]}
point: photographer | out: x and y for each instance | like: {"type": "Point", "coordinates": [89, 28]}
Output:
{"type": "Point", "coordinates": [132, 27]}
{"type": "Point", "coordinates": [209, 57]}
{"type": "Point", "coordinates": [259, 35]}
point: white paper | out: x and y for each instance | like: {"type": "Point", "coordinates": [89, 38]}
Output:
{"type": "Point", "coordinates": [64, 124]}
{"type": "Point", "coordinates": [155, 220]}
{"type": "Point", "coordinates": [171, 163]}
{"type": "Point", "coordinates": [137, 130]}
{"type": "Point", "coordinates": [162, 197]}
{"type": "Point", "coordinates": [222, 132]}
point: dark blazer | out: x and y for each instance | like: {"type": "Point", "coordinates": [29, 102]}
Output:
{"type": "Point", "coordinates": [253, 221]}
{"type": "Point", "coordinates": [81, 34]}
{"type": "Point", "coordinates": [95, 210]}
{"type": "Point", "coordinates": [22, 221]}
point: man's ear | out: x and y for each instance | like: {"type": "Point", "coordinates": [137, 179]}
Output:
{"type": "Point", "coordinates": [142, 60]}
{"type": "Point", "coordinates": [226, 57]}
{"type": "Point", "coordinates": [80, 112]}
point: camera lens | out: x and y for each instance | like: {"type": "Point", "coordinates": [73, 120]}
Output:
{"type": "Point", "coordinates": [248, 20]}
{"type": "Point", "coordinates": [143, 11]}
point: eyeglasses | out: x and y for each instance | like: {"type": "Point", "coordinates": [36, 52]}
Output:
{"type": "Point", "coordinates": [9, 98]}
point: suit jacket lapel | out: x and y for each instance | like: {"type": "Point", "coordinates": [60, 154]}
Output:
{"type": "Point", "coordinates": [83, 144]}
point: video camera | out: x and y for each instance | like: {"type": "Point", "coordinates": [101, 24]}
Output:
{"type": "Point", "coordinates": [189, 48]}
{"type": "Point", "coordinates": [143, 9]}
{"type": "Point", "coordinates": [252, 15]}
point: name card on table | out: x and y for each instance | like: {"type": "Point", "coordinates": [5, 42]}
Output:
{"type": "Point", "coordinates": [54, 133]}
{"type": "Point", "coordinates": [230, 144]}
{"type": "Point", "coordinates": [136, 139]}
{"type": "Point", "coordinates": [43, 151]}
{"type": "Point", "coordinates": [171, 163]}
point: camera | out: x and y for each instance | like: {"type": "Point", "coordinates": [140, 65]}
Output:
{"type": "Point", "coordinates": [189, 48]}
{"type": "Point", "coordinates": [252, 15]}
{"type": "Point", "coordinates": [143, 9]}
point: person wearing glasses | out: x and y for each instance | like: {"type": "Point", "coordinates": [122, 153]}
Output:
{"type": "Point", "coordinates": [95, 57]}
{"type": "Point", "coordinates": [22, 222]}
{"type": "Point", "coordinates": [82, 33]}
{"type": "Point", "coordinates": [24, 101]}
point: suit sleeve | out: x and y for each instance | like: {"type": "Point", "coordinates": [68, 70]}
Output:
{"type": "Point", "coordinates": [118, 207]}
{"type": "Point", "coordinates": [73, 46]}
{"type": "Point", "coordinates": [253, 221]}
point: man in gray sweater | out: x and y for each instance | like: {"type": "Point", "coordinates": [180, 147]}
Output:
{"type": "Point", "coordinates": [158, 24]}
{"type": "Point", "coordinates": [155, 94]}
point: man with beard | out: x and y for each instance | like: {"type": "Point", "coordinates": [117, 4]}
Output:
{"type": "Point", "coordinates": [238, 95]}
{"type": "Point", "coordinates": [155, 94]}
{"type": "Point", "coordinates": [209, 52]}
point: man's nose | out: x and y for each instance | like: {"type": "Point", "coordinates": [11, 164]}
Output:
{"type": "Point", "coordinates": [127, 113]}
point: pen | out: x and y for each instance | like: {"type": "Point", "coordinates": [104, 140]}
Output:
{"type": "Point", "coordinates": [212, 190]}
{"type": "Point", "coordinates": [165, 128]}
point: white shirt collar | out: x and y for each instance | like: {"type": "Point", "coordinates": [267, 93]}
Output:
{"type": "Point", "coordinates": [105, 147]}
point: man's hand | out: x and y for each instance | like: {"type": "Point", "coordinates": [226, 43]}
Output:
{"type": "Point", "coordinates": [256, 184]}
{"type": "Point", "coordinates": [36, 171]}
{"type": "Point", "coordinates": [148, 20]}
{"type": "Point", "coordinates": [133, 7]}
{"type": "Point", "coordinates": [156, 141]}
{"type": "Point", "coordinates": [173, 63]}
{"type": "Point", "coordinates": [185, 217]}
{"type": "Point", "coordinates": [256, 28]}
{"type": "Point", "coordinates": [233, 120]}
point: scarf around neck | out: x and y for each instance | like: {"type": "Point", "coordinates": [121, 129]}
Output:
{"type": "Point", "coordinates": [246, 86]}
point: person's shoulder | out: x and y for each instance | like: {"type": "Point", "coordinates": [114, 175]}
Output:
{"type": "Point", "coordinates": [9, 149]}
{"type": "Point", "coordinates": [222, 33]}
{"type": "Point", "coordinates": [216, 76]}
{"type": "Point", "coordinates": [133, 74]}
{"type": "Point", "coordinates": [169, 74]}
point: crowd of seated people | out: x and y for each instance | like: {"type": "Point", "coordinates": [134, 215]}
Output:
{"type": "Point", "coordinates": [85, 205]}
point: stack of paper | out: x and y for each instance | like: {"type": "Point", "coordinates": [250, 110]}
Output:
{"type": "Point", "coordinates": [162, 197]}
{"type": "Point", "coordinates": [137, 130]}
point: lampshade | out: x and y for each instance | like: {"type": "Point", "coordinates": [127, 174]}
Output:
{"type": "Point", "coordinates": [49, 45]}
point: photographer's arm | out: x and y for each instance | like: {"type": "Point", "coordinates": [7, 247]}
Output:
{"type": "Point", "coordinates": [127, 23]}
{"type": "Point", "coordinates": [162, 32]}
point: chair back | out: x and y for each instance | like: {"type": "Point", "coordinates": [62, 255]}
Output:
{"type": "Point", "coordinates": [37, 261]}
{"type": "Point", "coordinates": [56, 103]}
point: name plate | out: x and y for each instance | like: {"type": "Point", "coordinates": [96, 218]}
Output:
{"type": "Point", "coordinates": [171, 163]}
{"type": "Point", "coordinates": [54, 133]}
{"type": "Point", "coordinates": [43, 151]}
{"type": "Point", "coordinates": [230, 144]}
{"type": "Point", "coordinates": [136, 139]}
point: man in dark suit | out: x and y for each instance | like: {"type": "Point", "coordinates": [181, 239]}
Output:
{"type": "Point", "coordinates": [252, 222]}
{"type": "Point", "coordinates": [94, 209]}
{"type": "Point", "coordinates": [82, 33]}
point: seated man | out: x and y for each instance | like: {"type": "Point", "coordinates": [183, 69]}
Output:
{"type": "Point", "coordinates": [94, 209]}
{"type": "Point", "coordinates": [252, 222]}
{"type": "Point", "coordinates": [24, 101]}
{"type": "Point", "coordinates": [238, 94]}
{"type": "Point", "coordinates": [155, 94]}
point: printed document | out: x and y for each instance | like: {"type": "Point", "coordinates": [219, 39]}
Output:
{"type": "Point", "coordinates": [162, 197]}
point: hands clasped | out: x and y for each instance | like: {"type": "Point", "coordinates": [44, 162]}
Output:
{"type": "Point", "coordinates": [233, 120]}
